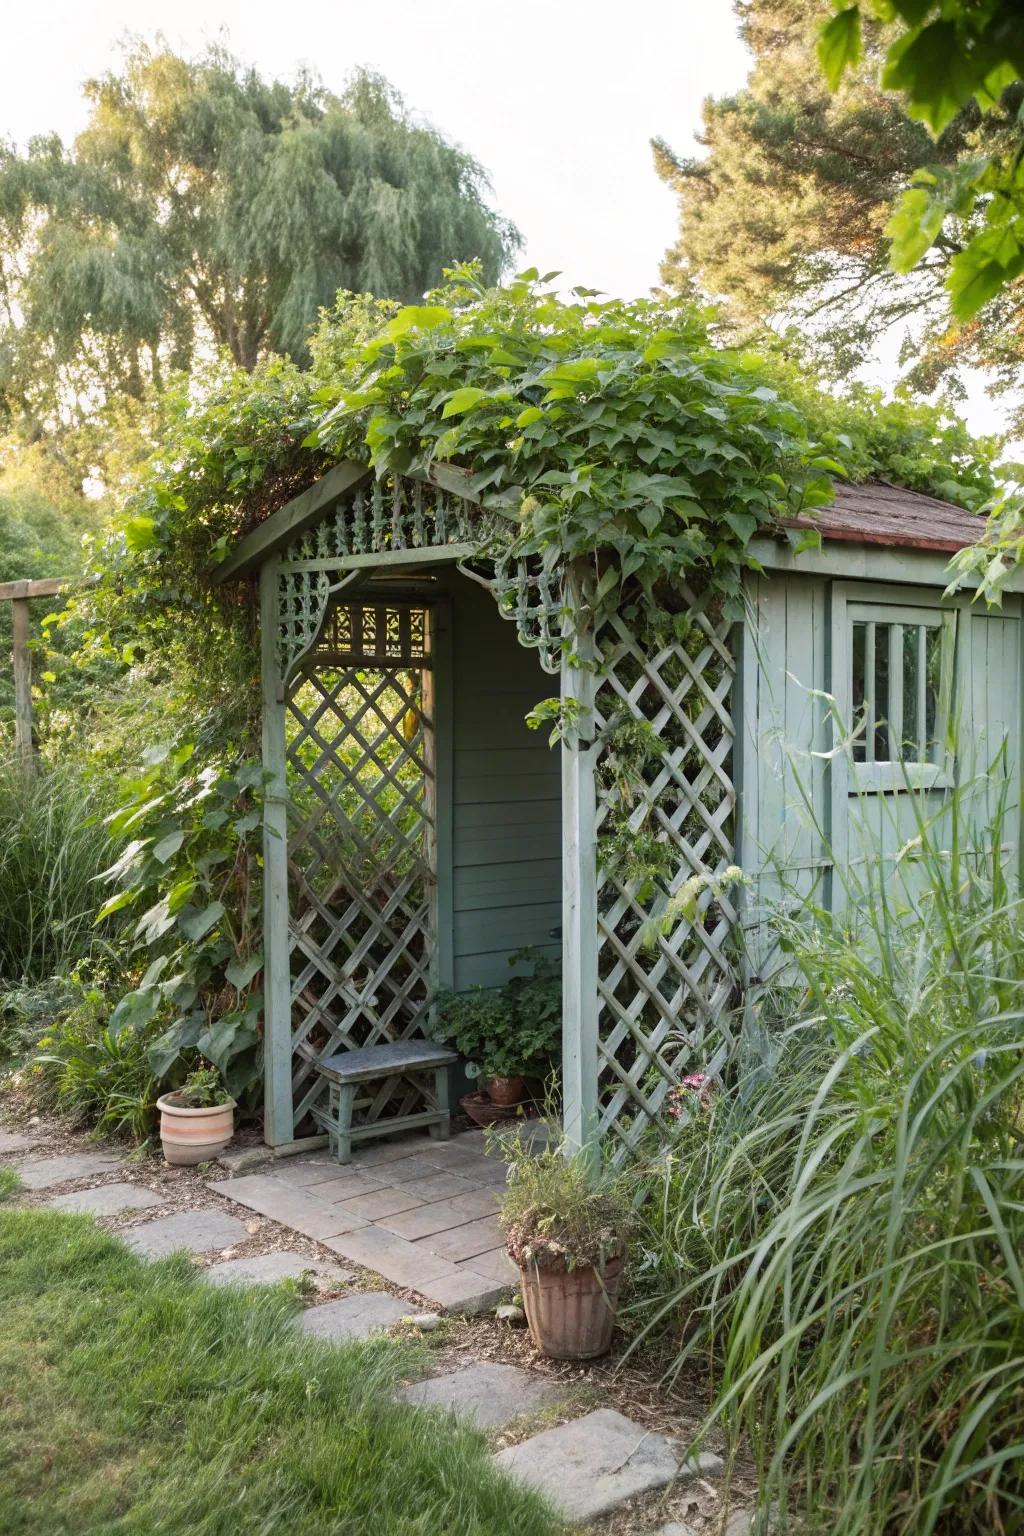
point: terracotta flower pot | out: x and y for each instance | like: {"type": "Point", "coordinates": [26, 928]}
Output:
{"type": "Point", "coordinates": [571, 1312]}
{"type": "Point", "coordinates": [506, 1090]}
{"type": "Point", "coordinates": [192, 1136]}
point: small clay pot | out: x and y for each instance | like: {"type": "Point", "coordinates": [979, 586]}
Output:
{"type": "Point", "coordinates": [191, 1136]}
{"type": "Point", "coordinates": [506, 1090]}
{"type": "Point", "coordinates": [571, 1312]}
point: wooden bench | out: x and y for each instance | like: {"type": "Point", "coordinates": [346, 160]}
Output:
{"type": "Point", "coordinates": [345, 1070]}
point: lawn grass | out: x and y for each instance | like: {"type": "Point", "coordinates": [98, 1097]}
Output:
{"type": "Point", "coordinates": [136, 1399]}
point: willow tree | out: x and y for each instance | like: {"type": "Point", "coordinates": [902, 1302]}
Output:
{"type": "Point", "coordinates": [785, 216]}
{"type": "Point", "coordinates": [204, 203]}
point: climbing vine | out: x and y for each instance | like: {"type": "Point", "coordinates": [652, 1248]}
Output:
{"type": "Point", "coordinates": [611, 438]}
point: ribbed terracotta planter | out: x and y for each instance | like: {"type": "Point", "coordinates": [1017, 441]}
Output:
{"type": "Point", "coordinates": [192, 1136]}
{"type": "Point", "coordinates": [571, 1313]}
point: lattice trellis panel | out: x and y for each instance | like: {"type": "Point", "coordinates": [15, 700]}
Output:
{"type": "Point", "coordinates": [360, 841]}
{"type": "Point", "coordinates": [664, 998]}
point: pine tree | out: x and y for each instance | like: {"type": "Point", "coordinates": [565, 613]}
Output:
{"type": "Point", "coordinates": [784, 219]}
{"type": "Point", "coordinates": [203, 203]}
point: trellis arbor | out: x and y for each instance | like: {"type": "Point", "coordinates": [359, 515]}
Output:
{"type": "Point", "coordinates": [417, 833]}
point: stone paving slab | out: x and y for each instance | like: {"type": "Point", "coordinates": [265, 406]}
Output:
{"type": "Point", "coordinates": [269, 1268]}
{"type": "Point", "coordinates": [488, 1395]}
{"type": "Point", "coordinates": [465, 1291]}
{"type": "Point", "coordinates": [300, 1209]}
{"type": "Point", "coordinates": [497, 1266]}
{"type": "Point", "coordinates": [197, 1231]}
{"type": "Point", "coordinates": [107, 1200]}
{"type": "Point", "coordinates": [465, 1242]}
{"type": "Point", "coordinates": [353, 1317]}
{"type": "Point", "coordinates": [401, 1262]}
{"type": "Point", "coordinates": [594, 1464]}
{"type": "Point", "coordinates": [381, 1202]}
{"type": "Point", "coordinates": [441, 1215]}
{"type": "Point", "coordinates": [321, 1175]}
{"type": "Point", "coordinates": [17, 1141]}
{"type": "Point", "coordinates": [45, 1172]}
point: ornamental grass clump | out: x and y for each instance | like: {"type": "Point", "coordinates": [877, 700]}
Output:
{"type": "Point", "coordinates": [838, 1232]}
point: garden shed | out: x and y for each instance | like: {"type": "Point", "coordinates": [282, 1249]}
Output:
{"type": "Point", "coordinates": [417, 833]}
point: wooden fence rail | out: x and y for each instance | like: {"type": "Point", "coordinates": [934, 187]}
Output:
{"type": "Point", "coordinates": [19, 594]}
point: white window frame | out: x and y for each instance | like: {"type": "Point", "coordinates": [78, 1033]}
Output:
{"type": "Point", "coordinates": [875, 606]}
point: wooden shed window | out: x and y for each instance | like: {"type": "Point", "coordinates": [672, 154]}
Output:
{"type": "Point", "coordinates": [900, 692]}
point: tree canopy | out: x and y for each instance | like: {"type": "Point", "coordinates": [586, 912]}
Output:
{"type": "Point", "coordinates": [204, 203]}
{"type": "Point", "coordinates": [785, 218]}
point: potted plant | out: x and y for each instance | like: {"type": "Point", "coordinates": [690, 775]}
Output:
{"type": "Point", "coordinates": [566, 1227]}
{"type": "Point", "coordinates": [197, 1120]}
{"type": "Point", "coordinates": [508, 1033]}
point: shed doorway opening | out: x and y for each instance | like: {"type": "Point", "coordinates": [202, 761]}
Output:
{"type": "Point", "coordinates": [424, 821]}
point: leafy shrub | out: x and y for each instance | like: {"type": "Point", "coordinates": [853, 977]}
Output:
{"type": "Point", "coordinates": [93, 1074]}
{"type": "Point", "coordinates": [513, 1030]}
{"type": "Point", "coordinates": [53, 846]}
{"type": "Point", "coordinates": [838, 1229]}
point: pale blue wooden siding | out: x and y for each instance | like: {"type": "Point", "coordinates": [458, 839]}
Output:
{"type": "Point", "coordinates": [505, 795]}
{"type": "Point", "coordinates": [805, 829]}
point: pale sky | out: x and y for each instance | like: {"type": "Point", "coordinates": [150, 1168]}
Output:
{"type": "Point", "coordinates": [558, 99]}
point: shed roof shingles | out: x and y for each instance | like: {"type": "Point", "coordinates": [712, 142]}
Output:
{"type": "Point", "coordinates": [879, 513]}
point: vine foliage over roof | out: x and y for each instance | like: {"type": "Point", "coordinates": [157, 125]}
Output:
{"type": "Point", "coordinates": [612, 436]}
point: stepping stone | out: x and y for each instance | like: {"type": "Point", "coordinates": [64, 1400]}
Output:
{"type": "Point", "coordinates": [197, 1231]}
{"type": "Point", "coordinates": [296, 1207]}
{"type": "Point", "coordinates": [467, 1241]}
{"type": "Point", "coordinates": [487, 1395]}
{"type": "Point", "coordinates": [596, 1463]}
{"type": "Point", "coordinates": [675, 1528]}
{"type": "Point", "coordinates": [16, 1141]}
{"type": "Point", "coordinates": [442, 1215]}
{"type": "Point", "coordinates": [45, 1172]}
{"type": "Point", "coordinates": [106, 1200]}
{"type": "Point", "coordinates": [353, 1317]}
{"type": "Point", "coordinates": [269, 1268]}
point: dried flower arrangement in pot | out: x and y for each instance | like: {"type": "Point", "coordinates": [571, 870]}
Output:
{"type": "Point", "coordinates": [566, 1226]}
{"type": "Point", "coordinates": [197, 1120]}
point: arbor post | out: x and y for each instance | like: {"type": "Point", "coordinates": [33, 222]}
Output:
{"type": "Point", "coordinates": [277, 1000]}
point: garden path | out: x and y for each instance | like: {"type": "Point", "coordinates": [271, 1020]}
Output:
{"type": "Point", "coordinates": [554, 1428]}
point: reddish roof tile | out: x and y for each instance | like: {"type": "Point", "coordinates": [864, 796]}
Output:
{"type": "Point", "coordinates": [879, 513]}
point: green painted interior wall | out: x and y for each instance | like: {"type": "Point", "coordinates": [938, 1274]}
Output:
{"type": "Point", "coordinates": [505, 794]}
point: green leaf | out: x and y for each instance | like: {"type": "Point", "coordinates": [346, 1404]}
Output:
{"type": "Point", "coordinates": [934, 71]}
{"type": "Point", "coordinates": [117, 903]}
{"type": "Point", "coordinates": [913, 228]}
{"type": "Point", "coordinates": [140, 534]}
{"type": "Point", "coordinates": [168, 846]}
{"type": "Point", "coordinates": [463, 400]}
{"type": "Point", "coordinates": [839, 45]}
{"type": "Point", "coordinates": [195, 923]}
{"type": "Point", "coordinates": [981, 270]}
{"type": "Point", "coordinates": [135, 1011]}
{"type": "Point", "coordinates": [241, 972]}
{"type": "Point", "coordinates": [531, 414]}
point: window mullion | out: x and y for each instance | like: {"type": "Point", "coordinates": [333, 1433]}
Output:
{"type": "Point", "coordinates": [895, 692]}
{"type": "Point", "coordinates": [869, 693]}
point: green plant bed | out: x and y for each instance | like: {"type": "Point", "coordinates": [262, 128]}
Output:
{"type": "Point", "coordinates": [137, 1399]}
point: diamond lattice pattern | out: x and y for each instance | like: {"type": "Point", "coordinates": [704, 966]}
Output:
{"type": "Point", "coordinates": [664, 998]}
{"type": "Point", "coordinates": [360, 846]}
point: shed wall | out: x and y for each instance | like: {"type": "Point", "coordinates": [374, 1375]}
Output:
{"type": "Point", "coordinates": [803, 828]}
{"type": "Point", "coordinates": [505, 796]}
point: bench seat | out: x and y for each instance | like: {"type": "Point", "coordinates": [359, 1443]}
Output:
{"type": "Point", "coordinates": [345, 1070]}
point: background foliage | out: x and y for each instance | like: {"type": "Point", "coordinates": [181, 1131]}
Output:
{"type": "Point", "coordinates": [786, 218]}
